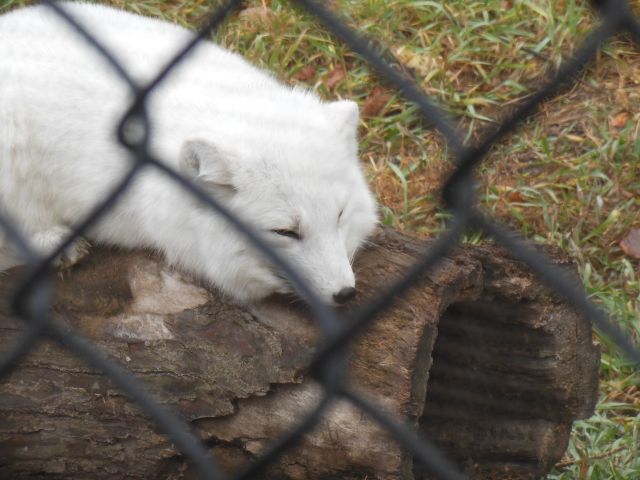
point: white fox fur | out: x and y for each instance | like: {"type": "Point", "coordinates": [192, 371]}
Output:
{"type": "Point", "coordinates": [278, 157]}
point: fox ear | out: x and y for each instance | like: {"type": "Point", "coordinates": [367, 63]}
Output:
{"type": "Point", "coordinates": [344, 115]}
{"type": "Point", "coordinates": [205, 162]}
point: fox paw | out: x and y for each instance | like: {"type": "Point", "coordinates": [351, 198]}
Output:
{"type": "Point", "coordinates": [72, 255]}
{"type": "Point", "coordinates": [49, 240]}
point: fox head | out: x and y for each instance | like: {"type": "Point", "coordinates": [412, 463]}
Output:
{"type": "Point", "coordinates": [298, 183]}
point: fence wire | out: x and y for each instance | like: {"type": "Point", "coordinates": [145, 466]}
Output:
{"type": "Point", "coordinates": [32, 299]}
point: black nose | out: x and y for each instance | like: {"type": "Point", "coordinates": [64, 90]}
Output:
{"type": "Point", "coordinates": [344, 295]}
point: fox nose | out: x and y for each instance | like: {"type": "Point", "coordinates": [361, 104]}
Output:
{"type": "Point", "coordinates": [344, 295]}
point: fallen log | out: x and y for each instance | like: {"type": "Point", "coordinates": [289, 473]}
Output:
{"type": "Point", "coordinates": [479, 356]}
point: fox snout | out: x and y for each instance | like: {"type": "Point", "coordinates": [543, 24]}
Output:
{"type": "Point", "coordinates": [340, 286]}
{"type": "Point", "coordinates": [331, 274]}
{"type": "Point", "coordinates": [344, 295]}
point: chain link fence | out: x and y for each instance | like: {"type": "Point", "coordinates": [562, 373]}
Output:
{"type": "Point", "coordinates": [32, 299]}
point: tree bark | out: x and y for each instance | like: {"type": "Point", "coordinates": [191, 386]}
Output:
{"type": "Point", "coordinates": [479, 356]}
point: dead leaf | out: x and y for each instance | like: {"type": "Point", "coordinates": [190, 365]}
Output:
{"type": "Point", "coordinates": [305, 74]}
{"type": "Point", "coordinates": [375, 102]}
{"type": "Point", "coordinates": [622, 98]}
{"type": "Point", "coordinates": [631, 244]}
{"type": "Point", "coordinates": [575, 138]}
{"type": "Point", "coordinates": [418, 63]}
{"type": "Point", "coordinates": [335, 76]}
{"type": "Point", "coordinates": [620, 120]}
{"type": "Point", "coordinates": [584, 468]}
{"type": "Point", "coordinates": [515, 196]}
{"type": "Point", "coordinates": [257, 15]}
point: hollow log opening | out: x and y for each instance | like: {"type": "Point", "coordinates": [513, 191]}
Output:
{"type": "Point", "coordinates": [500, 398]}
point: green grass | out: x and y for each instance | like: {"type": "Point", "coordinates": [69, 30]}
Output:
{"type": "Point", "coordinates": [570, 177]}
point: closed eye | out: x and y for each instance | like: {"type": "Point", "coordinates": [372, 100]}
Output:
{"type": "Point", "coordinates": [287, 233]}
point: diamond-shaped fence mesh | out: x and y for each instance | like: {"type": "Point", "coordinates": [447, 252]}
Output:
{"type": "Point", "coordinates": [32, 299]}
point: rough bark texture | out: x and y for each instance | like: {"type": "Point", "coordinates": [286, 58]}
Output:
{"type": "Point", "coordinates": [479, 356]}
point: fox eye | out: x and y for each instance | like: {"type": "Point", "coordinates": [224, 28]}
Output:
{"type": "Point", "coordinates": [287, 233]}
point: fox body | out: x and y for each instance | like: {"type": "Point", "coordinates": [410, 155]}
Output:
{"type": "Point", "coordinates": [278, 157]}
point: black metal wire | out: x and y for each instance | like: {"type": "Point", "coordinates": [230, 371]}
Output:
{"type": "Point", "coordinates": [456, 186]}
{"type": "Point", "coordinates": [37, 322]}
{"type": "Point", "coordinates": [434, 115]}
{"type": "Point", "coordinates": [288, 440]}
{"type": "Point", "coordinates": [422, 449]}
{"type": "Point", "coordinates": [165, 418]}
{"type": "Point", "coordinates": [33, 297]}
{"type": "Point", "coordinates": [563, 286]}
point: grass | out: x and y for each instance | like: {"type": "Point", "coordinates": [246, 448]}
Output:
{"type": "Point", "coordinates": [569, 177]}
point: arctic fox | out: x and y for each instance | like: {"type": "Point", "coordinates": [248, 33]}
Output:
{"type": "Point", "coordinates": [278, 157]}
